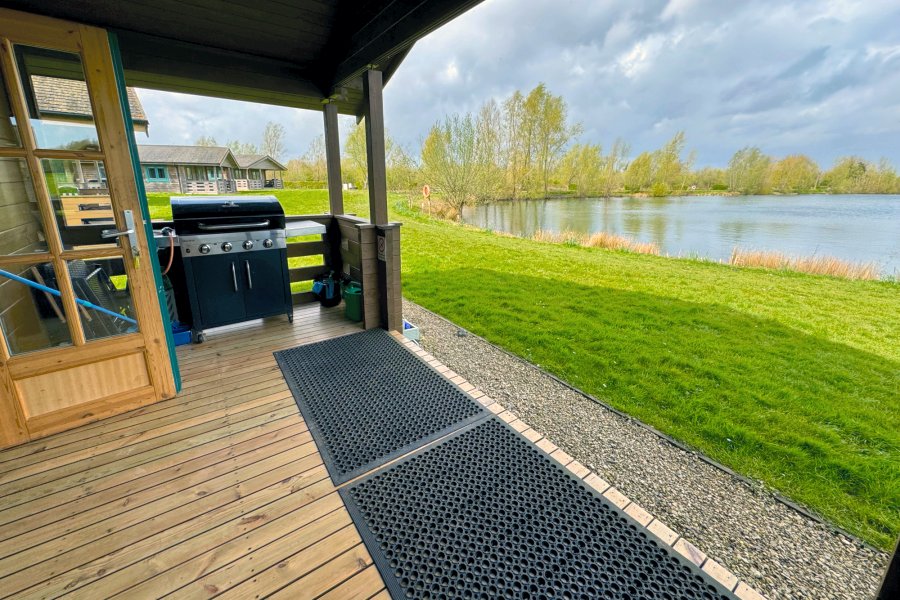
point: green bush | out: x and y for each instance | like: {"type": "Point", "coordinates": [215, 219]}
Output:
{"type": "Point", "coordinates": [659, 190]}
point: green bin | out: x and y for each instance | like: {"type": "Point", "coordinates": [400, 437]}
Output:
{"type": "Point", "coordinates": [353, 301]}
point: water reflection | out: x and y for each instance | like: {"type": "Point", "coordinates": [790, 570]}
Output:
{"type": "Point", "coordinates": [858, 228]}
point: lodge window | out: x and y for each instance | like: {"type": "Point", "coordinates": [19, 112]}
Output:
{"type": "Point", "coordinates": [157, 173]}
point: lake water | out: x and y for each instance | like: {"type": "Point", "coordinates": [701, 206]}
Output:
{"type": "Point", "coordinates": [859, 228]}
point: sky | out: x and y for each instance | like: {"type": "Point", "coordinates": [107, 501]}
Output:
{"type": "Point", "coordinates": [819, 77]}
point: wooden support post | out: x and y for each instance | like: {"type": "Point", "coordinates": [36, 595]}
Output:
{"type": "Point", "coordinates": [369, 272]}
{"type": "Point", "coordinates": [389, 289]}
{"type": "Point", "coordinates": [333, 160]}
{"type": "Point", "coordinates": [375, 153]}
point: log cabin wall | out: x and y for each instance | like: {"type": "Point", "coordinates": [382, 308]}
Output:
{"type": "Point", "coordinates": [172, 186]}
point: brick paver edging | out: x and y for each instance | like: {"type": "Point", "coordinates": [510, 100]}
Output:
{"type": "Point", "coordinates": [669, 537]}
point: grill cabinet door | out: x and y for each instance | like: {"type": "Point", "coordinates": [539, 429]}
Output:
{"type": "Point", "coordinates": [263, 275]}
{"type": "Point", "coordinates": [220, 289]}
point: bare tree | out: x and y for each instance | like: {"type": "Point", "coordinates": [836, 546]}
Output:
{"type": "Point", "coordinates": [355, 154]}
{"type": "Point", "coordinates": [314, 159]}
{"type": "Point", "coordinates": [273, 140]}
{"type": "Point", "coordinates": [239, 147]}
{"type": "Point", "coordinates": [206, 140]}
{"type": "Point", "coordinates": [613, 168]}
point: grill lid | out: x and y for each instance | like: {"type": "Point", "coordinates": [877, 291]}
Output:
{"type": "Point", "coordinates": [221, 213]}
{"type": "Point", "coordinates": [192, 207]}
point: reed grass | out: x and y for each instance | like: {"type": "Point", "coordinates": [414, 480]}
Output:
{"type": "Point", "coordinates": [608, 241]}
{"type": "Point", "coordinates": [815, 265]}
{"type": "Point", "coordinates": [619, 242]}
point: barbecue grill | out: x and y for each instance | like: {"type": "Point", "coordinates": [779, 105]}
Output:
{"type": "Point", "coordinates": [234, 255]}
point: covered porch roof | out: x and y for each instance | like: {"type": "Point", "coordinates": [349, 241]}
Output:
{"type": "Point", "coordinates": [187, 155]}
{"type": "Point", "coordinates": [298, 54]}
{"type": "Point", "coordinates": [258, 161]}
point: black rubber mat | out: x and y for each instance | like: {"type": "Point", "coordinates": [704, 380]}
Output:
{"type": "Point", "coordinates": [367, 400]}
{"type": "Point", "coordinates": [485, 514]}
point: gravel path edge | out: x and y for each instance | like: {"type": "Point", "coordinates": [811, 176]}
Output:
{"type": "Point", "coordinates": [835, 564]}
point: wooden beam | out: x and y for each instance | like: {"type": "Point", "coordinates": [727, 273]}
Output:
{"type": "Point", "coordinates": [333, 160]}
{"type": "Point", "coordinates": [178, 66]}
{"type": "Point", "coordinates": [375, 152]}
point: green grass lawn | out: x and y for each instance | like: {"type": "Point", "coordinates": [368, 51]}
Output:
{"type": "Point", "coordinates": [787, 378]}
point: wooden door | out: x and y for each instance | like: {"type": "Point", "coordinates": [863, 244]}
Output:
{"type": "Point", "coordinates": [82, 331]}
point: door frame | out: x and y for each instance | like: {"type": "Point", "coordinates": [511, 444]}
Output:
{"type": "Point", "coordinates": [122, 88]}
{"type": "Point", "coordinates": [151, 343]}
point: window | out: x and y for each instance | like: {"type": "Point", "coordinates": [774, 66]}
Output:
{"type": "Point", "coordinates": [254, 173]}
{"type": "Point", "coordinates": [157, 173]}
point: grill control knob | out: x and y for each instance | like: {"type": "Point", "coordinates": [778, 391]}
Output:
{"type": "Point", "coordinates": [204, 248]}
{"type": "Point", "coordinates": [226, 247]}
{"type": "Point", "coordinates": [248, 245]}
{"type": "Point", "coordinates": [268, 243]}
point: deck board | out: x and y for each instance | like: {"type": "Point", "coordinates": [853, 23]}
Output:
{"type": "Point", "coordinates": [218, 491]}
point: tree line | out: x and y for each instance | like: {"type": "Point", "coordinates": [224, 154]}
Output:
{"type": "Point", "coordinates": [526, 146]}
{"type": "Point", "coordinates": [272, 142]}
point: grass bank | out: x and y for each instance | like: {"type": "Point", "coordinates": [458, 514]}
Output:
{"type": "Point", "coordinates": [788, 378]}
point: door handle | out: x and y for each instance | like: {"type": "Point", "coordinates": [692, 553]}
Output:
{"type": "Point", "coordinates": [128, 231]}
{"type": "Point", "coordinates": [114, 233]}
{"type": "Point", "coordinates": [249, 278]}
{"type": "Point", "coordinates": [234, 276]}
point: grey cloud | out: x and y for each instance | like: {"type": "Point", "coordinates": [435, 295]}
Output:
{"type": "Point", "coordinates": [813, 76]}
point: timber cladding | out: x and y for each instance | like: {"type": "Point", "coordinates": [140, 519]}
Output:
{"type": "Point", "coordinates": [19, 226]}
{"type": "Point", "coordinates": [359, 257]}
{"type": "Point", "coordinates": [20, 229]}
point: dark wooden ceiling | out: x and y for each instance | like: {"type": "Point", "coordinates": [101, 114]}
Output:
{"type": "Point", "coordinates": [286, 52]}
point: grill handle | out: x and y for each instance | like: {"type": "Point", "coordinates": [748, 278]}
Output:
{"type": "Point", "coordinates": [249, 278]}
{"type": "Point", "coordinates": [256, 225]}
{"type": "Point", "coordinates": [234, 277]}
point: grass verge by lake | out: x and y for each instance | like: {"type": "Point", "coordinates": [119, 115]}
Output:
{"type": "Point", "coordinates": [787, 378]}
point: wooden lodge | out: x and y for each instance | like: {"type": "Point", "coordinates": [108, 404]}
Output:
{"type": "Point", "coordinates": [206, 170]}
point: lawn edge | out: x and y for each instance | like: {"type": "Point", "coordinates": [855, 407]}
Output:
{"type": "Point", "coordinates": [753, 484]}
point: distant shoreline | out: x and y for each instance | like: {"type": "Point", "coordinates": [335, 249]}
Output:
{"type": "Point", "coordinates": [724, 193]}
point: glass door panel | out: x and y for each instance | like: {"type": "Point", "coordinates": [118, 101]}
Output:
{"type": "Point", "coordinates": [9, 135]}
{"type": "Point", "coordinates": [31, 317]}
{"type": "Point", "coordinates": [57, 99]}
{"type": "Point", "coordinates": [90, 299]}
{"type": "Point", "coordinates": [101, 287]}
{"type": "Point", "coordinates": [81, 200]}
{"type": "Point", "coordinates": [21, 229]}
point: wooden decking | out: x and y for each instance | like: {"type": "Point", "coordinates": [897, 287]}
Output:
{"type": "Point", "coordinates": [219, 491]}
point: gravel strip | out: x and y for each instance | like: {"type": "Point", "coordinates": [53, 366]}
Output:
{"type": "Point", "coordinates": [774, 548]}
